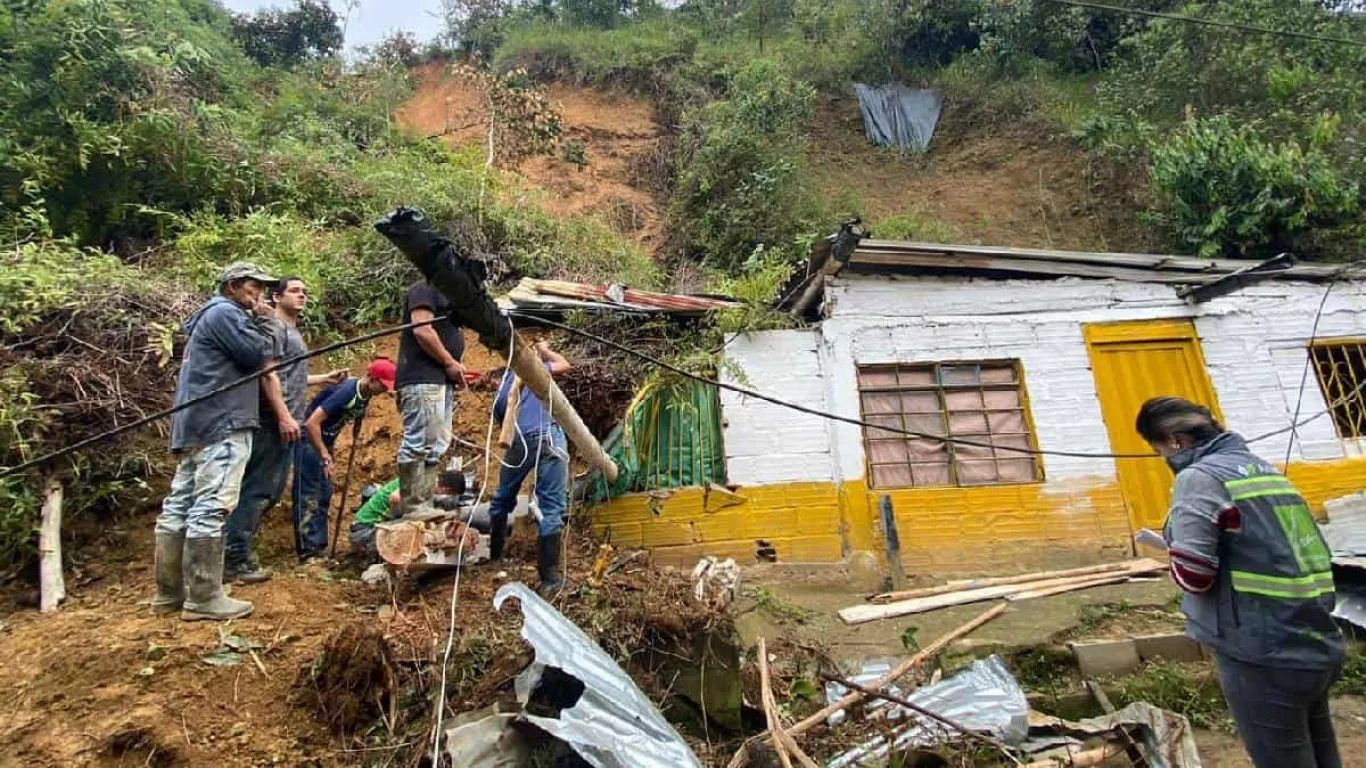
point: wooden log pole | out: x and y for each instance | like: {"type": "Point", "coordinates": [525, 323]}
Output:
{"type": "Point", "coordinates": [461, 280]}
{"type": "Point", "coordinates": [775, 726]}
{"type": "Point", "coordinates": [996, 581]}
{"type": "Point", "coordinates": [51, 584]}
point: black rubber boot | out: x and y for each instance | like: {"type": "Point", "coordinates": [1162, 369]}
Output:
{"type": "Point", "coordinates": [548, 565]}
{"type": "Point", "coordinates": [498, 536]}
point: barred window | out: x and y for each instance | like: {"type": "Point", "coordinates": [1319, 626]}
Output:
{"type": "Point", "coordinates": [1341, 368]}
{"type": "Point", "coordinates": [979, 401]}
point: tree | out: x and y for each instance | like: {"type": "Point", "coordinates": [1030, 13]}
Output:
{"type": "Point", "coordinates": [286, 38]}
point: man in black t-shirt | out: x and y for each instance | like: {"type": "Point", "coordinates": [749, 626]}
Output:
{"type": "Point", "coordinates": [428, 368]}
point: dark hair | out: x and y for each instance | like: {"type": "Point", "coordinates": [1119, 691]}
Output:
{"type": "Point", "coordinates": [283, 283]}
{"type": "Point", "coordinates": [453, 481]}
{"type": "Point", "coordinates": [1162, 418]}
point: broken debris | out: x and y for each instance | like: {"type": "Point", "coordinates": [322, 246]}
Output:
{"type": "Point", "coordinates": [575, 692]}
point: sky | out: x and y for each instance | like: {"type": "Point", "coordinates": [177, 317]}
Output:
{"type": "Point", "coordinates": [372, 20]}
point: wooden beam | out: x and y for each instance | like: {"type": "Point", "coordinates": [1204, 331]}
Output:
{"type": "Point", "coordinates": [461, 280]}
{"type": "Point", "coordinates": [958, 586]}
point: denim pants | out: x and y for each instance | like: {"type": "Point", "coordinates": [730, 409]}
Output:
{"type": "Point", "coordinates": [206, 486]}
{"type": "Point", "coordinates": [552, 479]}
{"type": "Point", "coordinates": [1282, 714]}
{"type": "Point", "coordinates": [427, 410]}
{"type": "Point", "coordinates": [312, 499]}
{"type": "Point", "coordinates": [262, 485]}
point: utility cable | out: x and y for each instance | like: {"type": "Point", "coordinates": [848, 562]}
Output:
{"type": "Point", "coordinates": [893, 430]}
{"type": "Point", "coordinates": [1211, 22]}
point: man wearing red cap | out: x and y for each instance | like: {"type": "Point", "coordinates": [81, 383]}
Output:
{"type": "Point", "coordinates": [331, 410]}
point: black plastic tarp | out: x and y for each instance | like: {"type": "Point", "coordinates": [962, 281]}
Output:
{"type": "Point", "coordinates": [894, 115]}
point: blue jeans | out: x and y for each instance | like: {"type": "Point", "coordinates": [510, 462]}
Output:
{"type": "Point", "coordinates": [207, 482]}
{"type": "Point", "coordinates": [262, 486]}
{"type": "Point", "coordinates": [552, 479]}
{"type": "Point", "coordinates": [427, 410]}
{"type": "Point", "coordinates": [312, 499]}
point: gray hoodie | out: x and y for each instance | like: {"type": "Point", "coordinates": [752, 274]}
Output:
{"type": "Point", "coordinates": [225, 344]}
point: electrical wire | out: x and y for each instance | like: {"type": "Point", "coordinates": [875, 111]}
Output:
{"type": "Point", "coordinates": [1211, 22]}
{"type": "Point", "coordinates": [460, 566]}
{"type": "Point", "coordinates": [893, 430]}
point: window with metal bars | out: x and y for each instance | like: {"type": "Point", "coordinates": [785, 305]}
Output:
{"type": "Point", "coordinates": [979, 401]}
{"type": "Point", "coordinates": [1341, 368]}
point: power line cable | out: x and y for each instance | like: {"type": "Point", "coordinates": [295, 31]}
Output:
{"type": "Point", "coordinates": [1211, 22]}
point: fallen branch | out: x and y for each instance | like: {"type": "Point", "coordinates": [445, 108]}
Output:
{"type": "Point", "coordinates": [782, 740]}
{"type": "Point", "coordinates": [741, 757]}
{"type": "Point", "coordinates": [51, 584]}
{"type": "Point", "coordinates": [931, 714]}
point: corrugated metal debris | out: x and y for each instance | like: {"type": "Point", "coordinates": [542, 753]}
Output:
{"type": "Point", "coordinates": [555, 296]}
{"type": "Point", "coordinates": [611, 724]}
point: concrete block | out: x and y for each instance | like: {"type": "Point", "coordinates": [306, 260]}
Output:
{"type": "Point", "coordinates": [1106, 658]}
{"type": "Point", "coordinates": [1171, 646]}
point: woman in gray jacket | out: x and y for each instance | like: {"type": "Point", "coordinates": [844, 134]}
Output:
{"type": "Point", "coordinates": [1258, 581]}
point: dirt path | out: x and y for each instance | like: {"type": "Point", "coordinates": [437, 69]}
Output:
{"type": "Point", "coordinates": [618, 134]}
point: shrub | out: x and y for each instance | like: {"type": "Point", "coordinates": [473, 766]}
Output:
{"type": "Point", "coordinates": [1226, 192]}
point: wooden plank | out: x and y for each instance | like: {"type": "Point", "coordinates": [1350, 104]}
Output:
{"type": "Point", "coordinates": [863, 613]}
{"type": "Point", "coordinates": [1086, 582]}
{"type": "Point", "coordinates": [51, 584]}
{"type": "Point", "coordinates": [957, 586]}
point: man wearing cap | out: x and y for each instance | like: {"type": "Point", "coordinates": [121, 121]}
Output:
{"type": "Point", "coordinates": [428, 368]}
{"type": "Point", "coordinates": [332, 409]}
{"type": "Point", "coordinates": [284, 393]}
{"type": "Point", "coordinates": [229, 338]}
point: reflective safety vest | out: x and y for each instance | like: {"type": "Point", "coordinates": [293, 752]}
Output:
{"type": "Point", "coordinates": [1272, 602]}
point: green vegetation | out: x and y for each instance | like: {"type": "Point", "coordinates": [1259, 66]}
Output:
{"type": "Point", "coordinates": [1186, 689]}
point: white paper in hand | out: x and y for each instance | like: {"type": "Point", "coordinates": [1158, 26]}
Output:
{"type": "Point", "coordinates": [1150, 538]}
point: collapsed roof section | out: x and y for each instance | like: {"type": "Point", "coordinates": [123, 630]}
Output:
{"type": "Point", "coordinates": [549, 298]}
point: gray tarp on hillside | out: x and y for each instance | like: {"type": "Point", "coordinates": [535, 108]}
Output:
{"type": "Point", "coordinates": [894, 115]}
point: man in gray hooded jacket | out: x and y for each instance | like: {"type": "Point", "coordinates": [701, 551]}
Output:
{"type": "Point", "coordinates": [231, 336]}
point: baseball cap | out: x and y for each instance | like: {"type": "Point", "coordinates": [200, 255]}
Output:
{"type": "Point", "coordinates": [383, 369]}
{"type": "Point", "coordinates": [244, 270]}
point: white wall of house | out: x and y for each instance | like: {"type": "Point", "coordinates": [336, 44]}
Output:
{"type": "Point", "coordinates": [1254, 346]}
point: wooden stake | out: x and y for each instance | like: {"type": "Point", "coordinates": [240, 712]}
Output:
{"type": "Point", "coordinates": [741, 757]}
{"type": "Point", "coordinates": [52, 586]}
{"type": "Point", "coordinates": [509, 431]}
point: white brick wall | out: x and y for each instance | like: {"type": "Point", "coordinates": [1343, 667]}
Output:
{"type": "Point", "coordinates": [1254, 346]}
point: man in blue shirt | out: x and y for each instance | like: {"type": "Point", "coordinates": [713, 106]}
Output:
{"type": "Point", "coordinates": [331, 410]}
{"type": "Point", "coordinates": [538, 443]}
{"type": "Point", "coordinates": [230, 338]}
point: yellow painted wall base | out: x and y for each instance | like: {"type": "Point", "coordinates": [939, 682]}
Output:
{"type": "Point", "coordinates": [942, 530]}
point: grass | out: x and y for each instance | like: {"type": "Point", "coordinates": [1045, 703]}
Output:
{"type": "Point", "coordinates": [1186, 689]}
{"type": "Point", "coordinates": [778, 609]}
{"type": "Point", "coordinates": [913, 226]}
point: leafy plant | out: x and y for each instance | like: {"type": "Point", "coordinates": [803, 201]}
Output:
{"type": "Point", "coordinates": [1227, 192]}
{"type": "Point", "coordinates": [287, 37]}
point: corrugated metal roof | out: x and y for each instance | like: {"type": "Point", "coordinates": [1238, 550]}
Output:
{"type": "Point", "coordinates": [890, 256]}
{"type": "Point", "coordinates": [533, 295]}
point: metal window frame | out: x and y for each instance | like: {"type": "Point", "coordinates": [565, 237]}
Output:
{"type": "Point", "coordinates": [1348, 417]}
{"type": "Point", "coordinates": [941, 390]}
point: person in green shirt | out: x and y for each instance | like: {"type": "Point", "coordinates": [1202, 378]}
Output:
{"type": "Point", "coordinates": [384, 506]}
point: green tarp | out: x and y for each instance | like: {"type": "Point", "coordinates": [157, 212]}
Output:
{"type": "Point", "coordinates": [670, 438]}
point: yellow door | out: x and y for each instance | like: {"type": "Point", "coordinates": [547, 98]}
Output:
{"type": "Point", "coordinates": [1132, 362]}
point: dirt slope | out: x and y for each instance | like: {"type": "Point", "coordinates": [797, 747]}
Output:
{"type": "Point", "coordinates": [618, 133]}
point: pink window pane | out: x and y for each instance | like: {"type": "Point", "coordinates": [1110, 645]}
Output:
{"type": "Point", "coordinates": [969, 423]}
{"type": "Point", "coordinates": [1010, 441]}
{"type": "Point", "coordinates": [916, 377]}
{"type": "Point", "coordinates": [1006, 421]}
{"type": "Point", "coordinates": [892, 476]}
{"type": "Point", "coordinates": [969, 400]}
{"type": "Point", "coordinates": [920, 402]}
{"type": "Point", "coordinates": [1017, 470]}
{"type": "Point", "coordinates": [998, 374]}
{"type": "Point", "coordinates": [931, 474]}
{"type": "Point", "coordinates": [976, 472]}
{"type": "Point", "coordinates": [894, 422]}
{"type": "Point", "coordinates": [964, 451]}
{"type": "Point", "coordinates": [881, 402]}
{"type": "Point", "coordinates": [927, 450]}
{"type": "Point", "coordinates": [887, 451]}
{"type": "Point", "coordinates": [926, 423]}
{"type": "Point", "coordinates": [877, 377]}
{"type": "Point", "coordinates": [1001, 398]}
